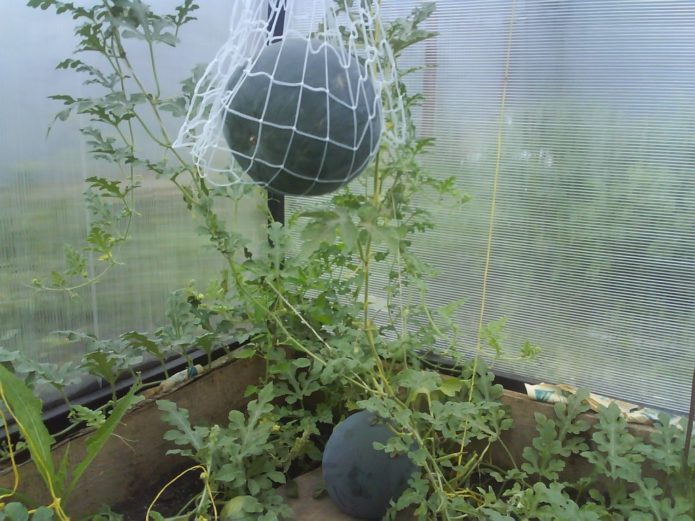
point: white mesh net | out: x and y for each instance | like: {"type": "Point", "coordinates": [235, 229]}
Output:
{"type": "Point", "coordinates": [296, 98]}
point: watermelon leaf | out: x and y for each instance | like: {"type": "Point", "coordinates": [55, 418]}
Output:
{"type": "Point", "coordinates": [183, 433]}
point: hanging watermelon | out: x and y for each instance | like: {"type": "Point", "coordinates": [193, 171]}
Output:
{"type": "Point", "coordinates": [301, 120]}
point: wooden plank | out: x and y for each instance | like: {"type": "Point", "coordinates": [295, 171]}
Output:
{"type": "Point", "coordinates": [522, 411]}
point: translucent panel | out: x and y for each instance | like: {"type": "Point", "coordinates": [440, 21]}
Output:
{"type": "Point", "coordinates": [584, 111]}
{"type": "Point", "coordinates": [42, 180]}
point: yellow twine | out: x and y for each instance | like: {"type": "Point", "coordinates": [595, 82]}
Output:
{"type": "Point", "coordinates": [208, 490]}
{"type": "Point", "coordinates": [495, 182]}
{"type": "Point", "coordinates": [10, 448]}
{"type": "Point", "coordinates": [493, 204]}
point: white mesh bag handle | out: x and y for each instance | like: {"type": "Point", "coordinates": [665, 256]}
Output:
{"type": "Point", "coordinates": [302, 113]}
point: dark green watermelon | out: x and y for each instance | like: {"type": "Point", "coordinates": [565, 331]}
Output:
{"type": "Point", "coordinates": [302, 129]}
{"type": "Point", "coordinates": [361, 480]}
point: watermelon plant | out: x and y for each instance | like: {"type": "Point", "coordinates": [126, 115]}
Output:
{"type": "Point", "coordinates": [305, 302]}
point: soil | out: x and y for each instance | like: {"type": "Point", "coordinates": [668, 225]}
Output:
{"type": "Point", "coordinates": [172, 500]}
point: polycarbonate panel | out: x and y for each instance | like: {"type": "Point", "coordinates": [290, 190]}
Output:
{"type": "Point", "coordinates": [42, 180]}
{"type": "Point", "coordinates": [591, 107]}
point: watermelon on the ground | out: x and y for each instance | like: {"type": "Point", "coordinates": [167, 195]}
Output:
{"type": "Point", "coordinates": [360, 479]}
{"type": "Point", "coordinates": [301, 121]}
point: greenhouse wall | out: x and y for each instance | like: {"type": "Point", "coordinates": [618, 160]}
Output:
{"type": "Point", "coordinates": [575, 118]}
{"type": "Point", "coordinates": [578, 119]}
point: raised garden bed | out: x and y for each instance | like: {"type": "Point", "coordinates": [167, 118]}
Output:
{"type": "Point", "coordinates": [134, 466]}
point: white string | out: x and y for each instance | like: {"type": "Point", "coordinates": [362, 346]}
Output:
{"type": "Point", "coordinates": [241, 126]}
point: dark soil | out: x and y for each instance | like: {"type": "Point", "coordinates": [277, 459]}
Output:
{"type": "Point", "coordinates": [169, 503]}
{"type": "Point", "coordinates": [180, 492]}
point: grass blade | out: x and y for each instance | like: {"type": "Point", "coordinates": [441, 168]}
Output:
{"type": "Point", "coordinates": [95, 441]}
{"type": "Point", "coordinates": [27, 410]}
